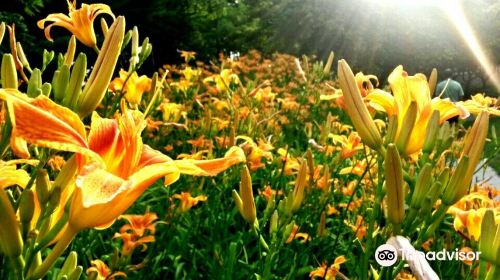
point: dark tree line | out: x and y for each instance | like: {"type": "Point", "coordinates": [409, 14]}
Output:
{"type": "Point", "coordinates": [372, 35]}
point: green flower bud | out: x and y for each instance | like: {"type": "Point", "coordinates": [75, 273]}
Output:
{"type": "Point", "coordinates": [394, 186]}
{"type": "Point", "coordinates": [26, 207]}
{"type": "Point", "coordinates": [424, 180]}
{"type": "Point", "coordinates": [431, 133]}
{"type": "Point", "coordinates": [35, 83]}
{"type": "Point", "coordinates": [8, 72]}
{"type": "Point", "coordinates": [75, 82]}
{"type": "Point", "coordinates": [11, 242]}
{"type": "Point", "coordinates": [42, 186]}
{"type": "Point", "coordinates": [392, 129]}
{"type": "Point", "coordinates": [407, 127]}
{"type": "Point", "coordinates": [60, 83]}
{"type": "Point", "coordinates": [456, 188]}
{"type": "Point", "coordinates": [97, 83]}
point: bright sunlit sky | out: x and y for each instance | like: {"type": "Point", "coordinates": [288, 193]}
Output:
{"type": "Point", "coordinates": [455, 13]}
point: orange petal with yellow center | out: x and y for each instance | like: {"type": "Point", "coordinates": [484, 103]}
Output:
{"type": "Point", "coordinates": [101, 197]}
{"type": "Point", "coordinates": [212, 167]}
{"type": "Point", "coordinates": [44, 123]}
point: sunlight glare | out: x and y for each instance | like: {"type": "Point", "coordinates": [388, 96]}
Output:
{"type": "Point", "coordinates": [457, 16]}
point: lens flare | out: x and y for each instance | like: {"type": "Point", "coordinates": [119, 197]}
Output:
{"type": "Point", "coordinates": [455, 12]}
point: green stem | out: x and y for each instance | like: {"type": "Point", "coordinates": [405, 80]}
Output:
{"type": "Point", "coordinates": [436, 220]}
{"type": "Point", "coordinates": [61, 245]}
{"type": "Point", "coordinates": [398, 268]}
{"type": "Point", "coordinates": [494, 273]}
{"type": "Point", "coordinates": [18, 265]}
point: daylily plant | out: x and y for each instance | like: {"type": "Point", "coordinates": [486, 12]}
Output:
{"type": "Point", "coordinates": [114, 166]}
{"type": "Point", "coordinates": [405, 90]}
{"type": "Point", "coordinates": [80, 22]}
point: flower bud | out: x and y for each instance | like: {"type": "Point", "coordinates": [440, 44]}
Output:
{"type": "Point", "coordinates": [298, 191]}
{"type": "Point", "coordinates": [77, 272]}
{"type": "Point", "coordinates": [444, 176]}
{"type": "Point", "coordinates": [69, 264]}
{"type": "Point", "coordinates": [2, 31]}
{"type": "Point", "coordinates": [26, 207]}
{"type": "Point", "coordinates": [310, 164]}
{"type": "Point", "coordinates": [54, 199]}
{"type": "Point", "coordinates": [394, 186]}
{"type": "Point", "coordinates": [433, 81]}
{"type": "Point", "coordinates": [456, 188]}
{"type": "Point", "coordinates": [322, 224]}
{"type": "Point", "coordinates": [101, 75]}
{"type": "Point", "coordinates": [407, 127]}
{"type": "Point", "coordinates": [489, 243]}
{"type": "Point", "coordinates": [60, 83]}
{"type": "Point", "coordinates": [273, 224]}
{"type": "Point", "coordinates": [135, 41]}
{"type": "Point", "coordinates": [42, 186]}
{"type": "Point", "coordinates": [104, 26]}
{"type": "Point", "coordinates": [246, 203]}
{"type": "Point", "coordinates": [46, 88]}
{"type": "Point", "coordinates": [11, 242]}
{"type": "Point", "coordinates": [47, 58]}
{"type": "Point", "coordinates": [392, 129]}
{"type": "Point", "coordinates": [356, 108]}
{"type": "Point", "coordinates": [328, 65]}
{"type": "Point", "coordinates": [35, 83]}
{"type": "Point", "coordinates": [70, 52]}
{"type": "Point", "coordinates": [8, 72]}
{"type": "Point", "coordinates": [288, 230]}
{"type": "Point", "coordinates": [431, 132]}
{"type": "Point", "coordinates": [422, 185]}
{"type": "Point", "coordinates": [75, 82]}
{"type": "Point", "coordinates": [22, 56]}
{"type": "Point", "coordinates": [146, 50]}
{"type": "Point", "coordinates": [474, 144]}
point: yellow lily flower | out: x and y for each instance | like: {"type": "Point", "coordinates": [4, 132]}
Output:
{"type": "Point", "coordinates": [10, 175]}
{"type": "Point", "coordinates": [480, 102]}
{"type": "Point", "coordinates": [190, 74]}
{"type": "Point", "coordinates": [114, 167]}
{"type": "Point", "coordinates": [407, 89]}
{"type": "Point", "coordinates": [328, 273]}
{"type": "Point", "coordinates": [133, 88]}
{"type": "Point", "coordinates": [188, 201]}
{"type": "Point", "coordinates": [102, 271]}
{"type": "Point", "coordinates": [80, 22]}
{"type": "Point", "coordinates": [187, 55]}
{"type": "Point", "coordinates": [172, 112]}
{"type": "Point", "coordinates": [223, 80]}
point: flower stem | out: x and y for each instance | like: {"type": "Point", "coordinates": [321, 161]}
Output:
{"type": "Point", "coordinates": [61, 245]}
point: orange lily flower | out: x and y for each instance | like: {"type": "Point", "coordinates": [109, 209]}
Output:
{"type": "Point", "coordinates": [188, 55]}
{"type": "Point", "coordinates": [407, 89]}
{"type": "Point", "coordinates": [103, 272]}
{"type": "Point", "coordinates": [138, 232]}
{"type": "Point", "coordinates": [302, 237]}
{"type": "Point", "coordinates": [114, 167]}
{"type": "Point", "coordinates": [479, 102]}
{"type": "Point", "coordinates": [133, 88]}
{"type": "Point", "coordinates": [80, 22]}
{"type": "Point", "coordinates": [10, 175]}
{"type": "Point", "coordinates": [139, 224]}
{"type": "Point", "coordinates": [330, 272]}
{"type": "Point", "coordinates": [187, 201]}
{"type": "Point", "coordinates": [255, 152]}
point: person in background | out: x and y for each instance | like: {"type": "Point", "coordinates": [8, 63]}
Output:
{"type": "Point", "coordinates": [449, 88]}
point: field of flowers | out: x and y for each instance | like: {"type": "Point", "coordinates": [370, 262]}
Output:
{"type": "Point", "coordinates": [246, 168]}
